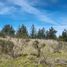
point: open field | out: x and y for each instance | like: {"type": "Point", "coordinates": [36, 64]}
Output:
{"type": "Point", "coordinates": [32, 53]}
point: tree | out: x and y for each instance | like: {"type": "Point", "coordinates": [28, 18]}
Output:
{"type": "Point", "coordinates": [22, 32]}
{"type": "Point", "coordinates": [64, 35]}
{"type": "Point", "coordinates": [33, 32]}
{"type": "Point", "coordinates": [41, 33]}
{"type": "Point", "coordinates": [51, 34]}
{"type": "Point", "coordinates": [8, 30]}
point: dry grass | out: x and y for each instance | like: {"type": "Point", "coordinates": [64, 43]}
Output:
{"type": "Point", "coordinates": [52, 53]}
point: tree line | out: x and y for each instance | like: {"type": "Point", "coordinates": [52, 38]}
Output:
{"type": "Point", "coordinates": [22, 32]}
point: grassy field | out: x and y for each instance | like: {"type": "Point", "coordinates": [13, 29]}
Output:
{"type": "Point", "coordinates": [24, 61]}
{"type": "Point", "coordinates": [27, 51]}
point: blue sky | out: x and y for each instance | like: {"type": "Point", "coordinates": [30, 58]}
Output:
{"type": "Point", "coordinates": [41, 13]}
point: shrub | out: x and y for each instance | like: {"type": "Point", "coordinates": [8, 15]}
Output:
{"type": "Point", "coordinates": [2, 35]}
{"type": "Point", "coordinates": [6, 46]}
{"type": "Point", "coordinates": [35, 44]}
{"type": "Point", "coordinates": [27, 40]}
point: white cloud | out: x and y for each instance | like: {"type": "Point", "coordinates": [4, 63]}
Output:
{"type": "Point", "coordinates": [5, 10]}
{"type": "Point", "coordinates": [33, 11]}
{"type": "Point", "coordinates": [25, 6]}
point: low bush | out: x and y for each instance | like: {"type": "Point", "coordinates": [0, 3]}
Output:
{"type": "Point", "coordinates": [6, 47]}
{"type": "Point", "coordinates": [2, 35]}
{"type": "Point", "coordinates": [35, 44]}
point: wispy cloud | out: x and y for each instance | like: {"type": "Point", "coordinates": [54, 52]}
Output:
{"type": "Point", "coordinates": [25, 6]}
{"type": "Point", "coordinates": [33, 11]}
{"type": "Point", "coordinates": [4, 9]}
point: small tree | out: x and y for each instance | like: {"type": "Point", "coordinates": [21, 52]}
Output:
{"type": "Point", "coordinates": [33, 32]}
{"type": "Point", "coordinates": [22, 32]}
{"type": "Point", "coordinates": [8, 30]}
{"type": "Point", "coordinates": [41, 33]}
{"type": "Point", "coordinates": [51, 34]}
{"type": "Point", "coordinates": [64, 35]}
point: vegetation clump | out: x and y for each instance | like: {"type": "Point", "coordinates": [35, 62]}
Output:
{"type": "Point", "coordinates": [6, 47]}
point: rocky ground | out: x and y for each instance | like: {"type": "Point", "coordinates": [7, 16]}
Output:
{"type": "Point", "coordinates": [34, 53]}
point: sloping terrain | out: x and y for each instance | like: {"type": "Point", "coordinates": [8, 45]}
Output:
{"type": "Point", "coordinates": [32, 53]}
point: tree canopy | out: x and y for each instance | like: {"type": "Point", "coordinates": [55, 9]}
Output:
{"type": "Point", "coordinates": [51, 33]}
{"type": "Point", "coordinates": [8, 30]}
{"type": "Point", "coordinates": [33, 32]}
{"type": "Point", "coordinates": [22, 32]}
{"type": "Point", "coordinates": [64, 35]}
{"type": "Point", "coordinates": [41, 33]}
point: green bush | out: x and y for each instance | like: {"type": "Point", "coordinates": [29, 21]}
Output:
{"type": "Point", "coordinates": [6, 47]}
{"type": "Point", "coordinates": [2, 35]}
